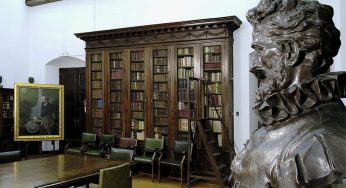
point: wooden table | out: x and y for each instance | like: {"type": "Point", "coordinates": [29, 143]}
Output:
{"type": "Point", "coordinates": [55, 171]}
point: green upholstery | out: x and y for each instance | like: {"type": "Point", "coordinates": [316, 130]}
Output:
{"type": "Point", "coordinates": [151, 147]}
{"type": "Point", "coordinates": [115, 177]}
{"type": "Point", "coordinates": [10, 156]}
{"type": "Point", "coordinates": [178, 160]}
{"type": "Point", "coordinates": [104, 144]}
{"type": "Point", "coordinates": [121, 154]}
{"type": "Point", "coordinates": [87, 138]}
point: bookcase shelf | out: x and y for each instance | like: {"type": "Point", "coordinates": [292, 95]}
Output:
{"type": "Point", "coordinates": [138, 77]}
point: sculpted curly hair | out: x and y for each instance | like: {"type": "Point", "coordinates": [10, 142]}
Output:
{"type": "Point", "coordinates": [310, 25]}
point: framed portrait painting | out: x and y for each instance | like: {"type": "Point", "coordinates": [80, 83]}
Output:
{"type": "Point", "coordinates": [38, 112]}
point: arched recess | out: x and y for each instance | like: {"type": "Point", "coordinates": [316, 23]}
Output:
{"type": "Point", "coordinates": [52, 77]}
{"type": "Point", "coordinates": [53, 66]}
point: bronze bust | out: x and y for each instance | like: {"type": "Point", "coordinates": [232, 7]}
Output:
{"type": "Point", "coordinates": [302, 142]}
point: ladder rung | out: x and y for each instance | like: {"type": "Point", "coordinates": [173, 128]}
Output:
{"type": "Point", "coordinates": [216, 154]}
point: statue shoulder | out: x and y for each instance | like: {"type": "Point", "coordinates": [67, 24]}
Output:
{"type": "Point", "coordinates": [321, 159]}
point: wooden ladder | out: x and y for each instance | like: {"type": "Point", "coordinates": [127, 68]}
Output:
{"type": "Point", "coordinates": [217, 159]}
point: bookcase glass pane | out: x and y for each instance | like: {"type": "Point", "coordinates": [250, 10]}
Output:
{"type": "Point", "coordinates": [97, 103]}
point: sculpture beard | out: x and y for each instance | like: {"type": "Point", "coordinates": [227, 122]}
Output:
{"type": "Point", "coordinates": [272, 79]}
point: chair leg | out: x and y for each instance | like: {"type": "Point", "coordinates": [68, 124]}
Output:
{"type": "Point", "coordinates": [152, 172]}
{"type": "Point", "coordinates": [181, 176]}
{"type": "Point", "coordinates": [159, 171]}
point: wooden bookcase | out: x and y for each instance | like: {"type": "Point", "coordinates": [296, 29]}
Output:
{"type": "Point", "coordinates": [6, 119]}
{"type": "Point", "coordinates": [137, 77]}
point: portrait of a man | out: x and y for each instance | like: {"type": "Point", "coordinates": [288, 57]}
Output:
{"type": "Point", "coordinates": [38, 112]}
{"type": "Point", "coordinates": [302, 140]}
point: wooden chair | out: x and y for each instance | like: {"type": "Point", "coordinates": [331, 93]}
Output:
{"type": "Point", "coordinates": [116, 177]}
{"type": "Point", "coordinates": [105, 143]}
{"type": "Point", "coordinates": [87, 140]}
{"type": "Point", "coordinates": [10, 156]}
{"type": "Point", "coordinates": [151, 148]}
{"type": "Point", "coordinates": [178, 159]}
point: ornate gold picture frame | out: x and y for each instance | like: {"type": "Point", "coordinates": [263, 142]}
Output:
{"type": "Point", "coordinates": [38, 112]}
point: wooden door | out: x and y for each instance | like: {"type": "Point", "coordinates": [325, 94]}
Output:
{"type": "Point", "coordinates": [73, 80]}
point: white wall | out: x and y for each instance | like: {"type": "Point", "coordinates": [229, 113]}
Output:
{"type": "Point", "coordinates": [50, 31]}
{"type": "Point", "coordinates": [14, 57]}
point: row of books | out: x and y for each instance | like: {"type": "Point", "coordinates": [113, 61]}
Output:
{"type": "Point", "coordinates": [182, 136]}
{"type": "Point", "coordinates": [160, 77]}
{"type": "Point", "coordinates": [213, 100]}
{"type": "Point", "coordinates": [137, 66]}
{"type": "Point", "coordinates": [160, 69]}
{"type": "Point", "coordinates": [160, 112]}
{"type": "Point", "coordinates": [160, 104]}
{"type": "Point", "coordinates": [160, 130]}
{"type": "Point", "coordinates": [116, 64]}
{"type": "Point", "coordinates": [214, 111]}
{"type": "Point", "coordinates": [116, 107]}
{"type": "Point", "coordinates": [116, 96]}
{"type": "Point", "coordinates": [183, 125]}
{"type": "Point", "coordinates": [137, 56]}
{"type": "Point", "coordinates": [216, 126]}
{"type": "Point", "coordinates": [213, 76]}
{"type": "Point", "coordinates": [96, 84]}
{"type": "Point", "coordinates": [96, 103]}
{"type": "Point", "coordinates": [160, 53]}
{"type": "Point", "coordinates": [116, 115]}
{"type": "Point", "coordinates": [185, 61]}
{"type": "Point", "coordinates": [118, 55]}
{"type": "Point", "coordinates": [138, 125]}
{"type": "Point", "coordinates": [96, 57]}
{"type": "Point", "coordinates": [185, 73]}
{"type": "Point", "coordinates": [212, 49]}
{"type": "Point", "coordinates": [96, 93]}
{"type": "Point", "coordinates": [186, 113]}
{"type": "Point", "coordinates": [137, 75]}
{"type": "Point", "coordinates": [160, 87]}
{"type": "Point", "coordinates": [215, 88]}
{"type": "Point", "coordinates": [7, 105]}
{"type": "Point", "coordinates": [7, 97]}
{"type": "Point", "coordinates": [183, 106]}
{"type": "Point", "coordinates": [7, 114]}
{"type": "Point", "coordinates": [185, 51]}
{"type": "Point", "coordinates": [137, 96]}
{"type": "Point", "coordinates": [160, 95]}
{"type": "Point", "coordinates": [97, 113]}
{"type": "Point", "coordinates": [96, 75]}
{"type": "Point", "coordinates": [137, 105]}
{"type": "Point", "coordinates": [117, 133]}
{"type": "Point", "coordinates": [183, 95]}
{"type": "Point", "coordinates": [137, 85]}
{"type": "Point", "coordinates": [160, 120]}
{"type": "Point", "coordinates": [118, 74]}
{"type": "Point", "coordinates": [97, 122]}
{"type": "Point", "coordinates": [139, 135]}
{"type": "Point", "coordinates": [137, 115]}
{"type": "Point", "coordinates": [212, 66]}
{"type": "Point", "coordinates": [116, 85]}
{"type": "Point", "coordinates": [96, 66]}
{"type": "Point", "coordinates": [116, 123]}
{"type": "Point", "coordinates": [212, 58]}
{"type": "Point", "coordinates": [160, 61]}
{"type": "Point", "coordinates": [161, 136]}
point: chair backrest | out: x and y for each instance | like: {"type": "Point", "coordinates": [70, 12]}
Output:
{"type": "Point", "coordinates": [115, 177]}
{"type": "Point", "coordinates": [88, 137]}
{"type": "Point", "coordinates": [106, 139]}
{"type": "Point", "coordinates": [127, 143]}
{"type": "Point", "coordinates": [121, 154]}
{"type": "Point", "coordinates": [151, 144]}
{"type": "Point", "coordinates": [181, 146]}
{"type": "Point", "coordinates": [10, 156]}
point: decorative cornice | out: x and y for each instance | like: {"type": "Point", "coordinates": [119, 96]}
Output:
{"type": "Point", "coordinates": [169, 32]}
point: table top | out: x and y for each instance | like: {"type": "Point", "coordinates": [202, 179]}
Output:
{"type": "Point", "coordinates": [51, 171]}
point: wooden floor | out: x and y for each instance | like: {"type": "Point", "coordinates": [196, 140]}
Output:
{"type": "Point", "coordinates": [145, 182]}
